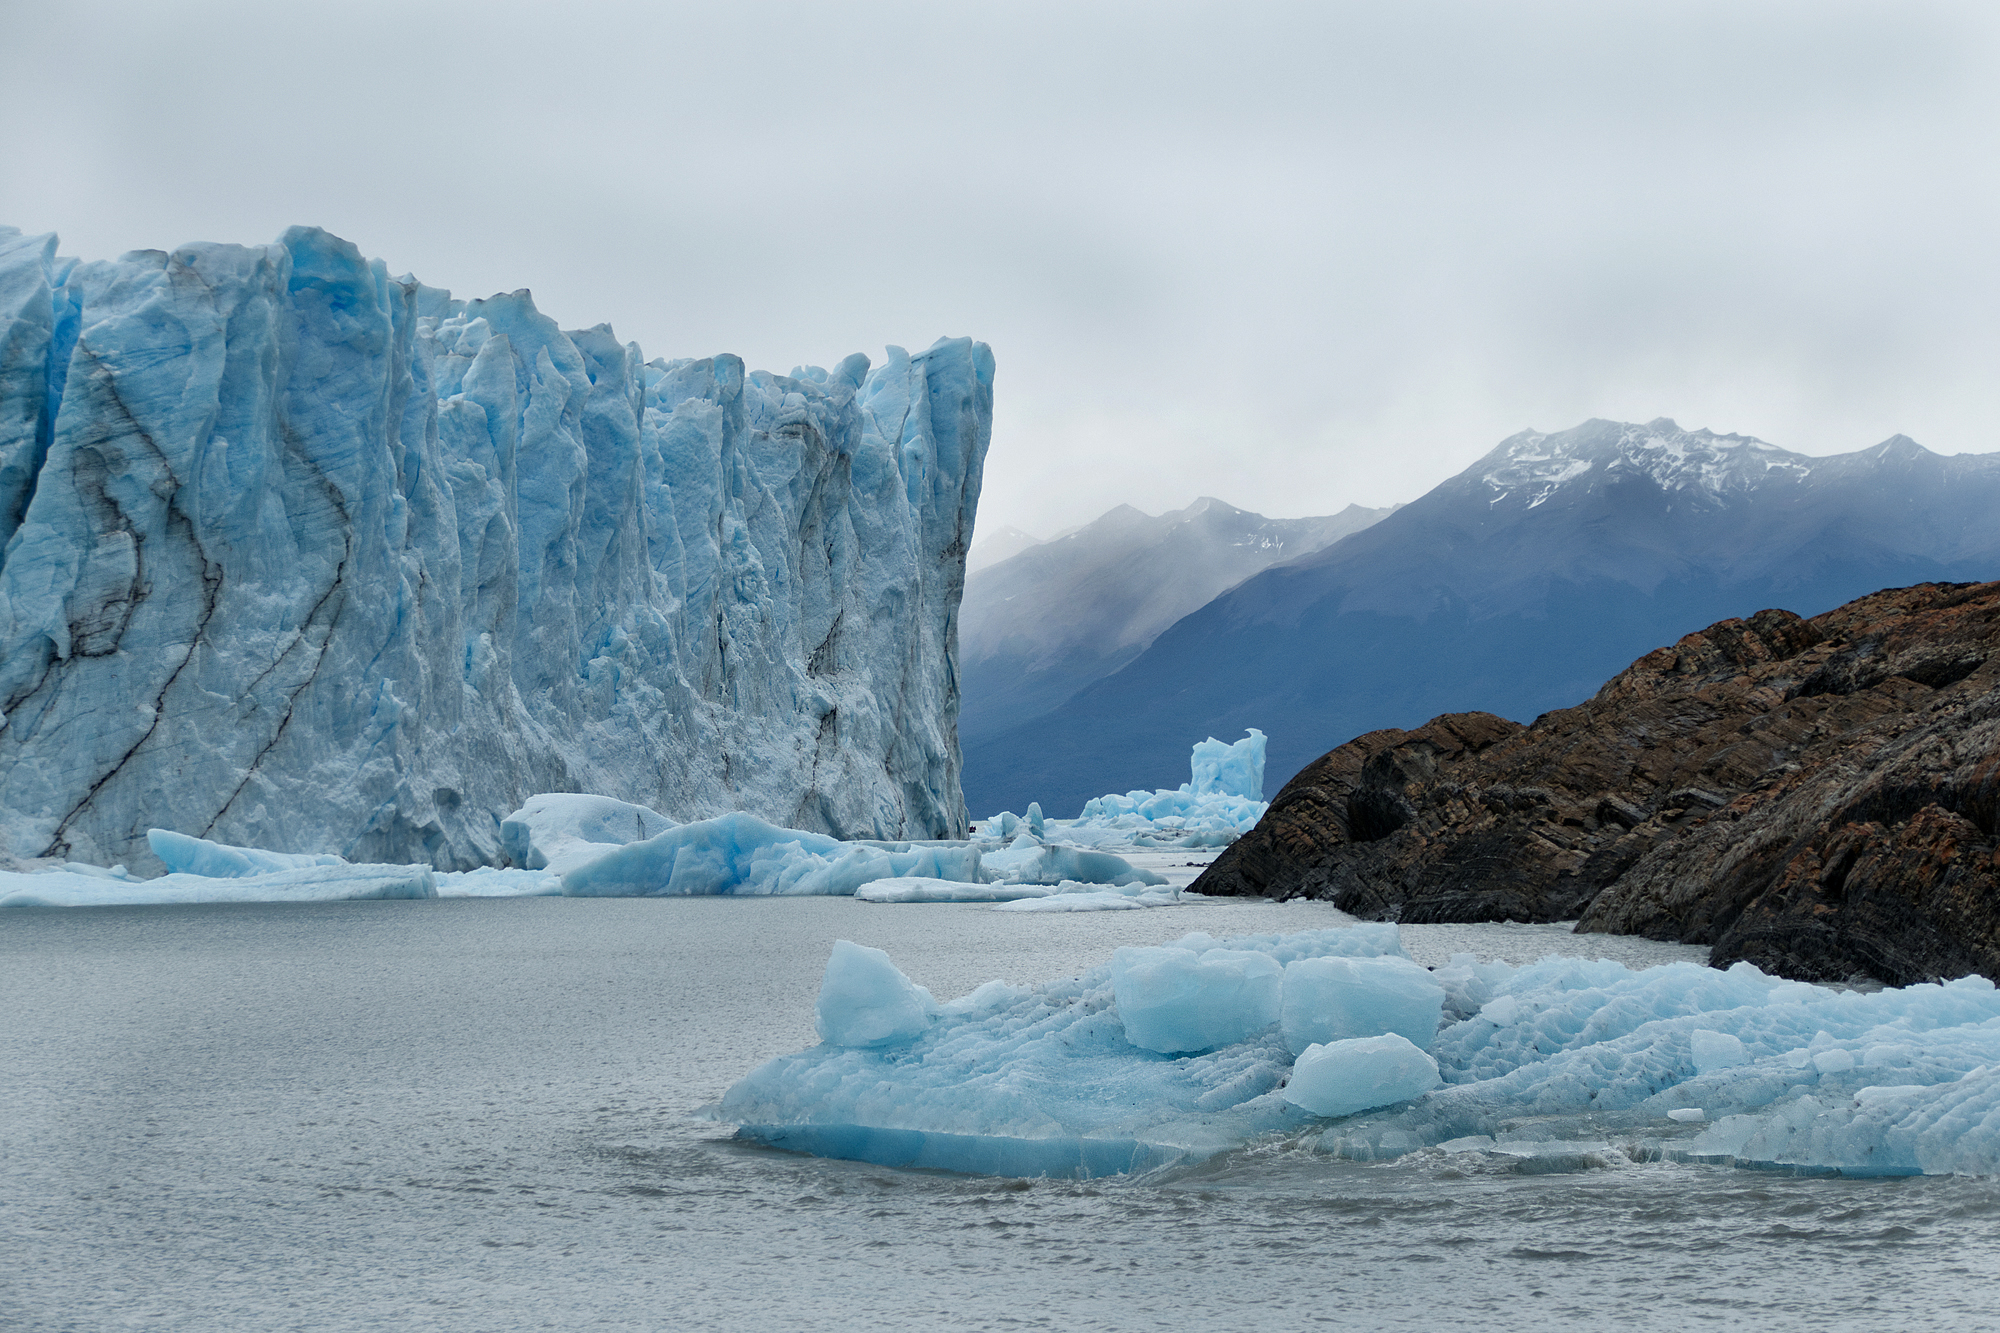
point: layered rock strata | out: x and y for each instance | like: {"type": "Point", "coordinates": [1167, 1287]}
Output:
{"type": "Point", "coordinates": [301, 555]}
{"type": "Point", "coordinates": [1818, 797]}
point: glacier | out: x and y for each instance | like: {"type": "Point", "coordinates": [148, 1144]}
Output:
{"type": "Point", "coordinates": [1222, 800]}
{"type": "Point", "coordinates": [1177, 1053]}
{"type": "Point", "coordinates": [297, 553]}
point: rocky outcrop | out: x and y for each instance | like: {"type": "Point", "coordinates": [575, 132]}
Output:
{"type": "Point", "coordinates": [1818, 797]}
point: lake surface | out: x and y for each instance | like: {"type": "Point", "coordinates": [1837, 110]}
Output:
{"type": "Point", "coordinates": [481, 1115]}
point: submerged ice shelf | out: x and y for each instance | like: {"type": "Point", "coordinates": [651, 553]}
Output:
{"type": "Point", "coordinates": [1178, 1053]}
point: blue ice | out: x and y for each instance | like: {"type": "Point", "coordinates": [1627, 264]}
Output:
{"type": "Point", "coordinates": [1179, 1053]}
{"type": "Point", "coordinates": [1222, 800]}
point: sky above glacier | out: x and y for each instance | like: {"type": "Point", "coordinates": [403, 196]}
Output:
{"type": "Point", "coordinates": [1294, 256]}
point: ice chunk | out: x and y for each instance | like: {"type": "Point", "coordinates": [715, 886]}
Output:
{"type": "Point", "coordinates": [186, 855]}
{"type": "Point", "coordinates": [1223, 769]}
{"type": "Point", "coordinates": [563, 831]}
{"type": "Point", "coordinates": [310, 884]}
{"type": "Point", "coordinates": [1329, 1000]}
{"type": "Point", "coordinates": [1174, 1000]}
{"type": "Point", "coordinates": [866, 1001]}
{"type": "Point", "coordinates": [1716, 1050]}
{"type": "Point", "coordinates": [1359, 1074]}
{"type": "Point", "coordinates": [495, 883]}
{"type": "Point", "coordinates": [1222, 800]}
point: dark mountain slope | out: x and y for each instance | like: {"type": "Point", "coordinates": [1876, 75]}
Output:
{"type": "Point", "coordinates": [1513, 588]}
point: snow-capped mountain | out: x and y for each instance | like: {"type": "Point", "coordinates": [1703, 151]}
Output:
{"type": "Point", "coordinates": [302, 555]}
{"type": "Point", "coordinates": [1514, 587]}
{"type": "Point", "coordinates": [1041, 625]}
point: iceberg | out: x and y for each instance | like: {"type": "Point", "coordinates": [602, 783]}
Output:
{"type": "Point", "coordinates": [866, 1002]}
{"type": "Point", "coordinates": [297, 552]}
{"type": "Point", "coordinates": [1222, 800]}
{"type": "Point", "coordinates": [1176, 1054]}
{"type": "Point", "coordinates": [561, 831]}
{"type": "Point", "coordinates": [1039, 1080]}
{"type": "Point", "coordinates": [741, 854]}
{"type": "Point", "coordinates": [185, 855]}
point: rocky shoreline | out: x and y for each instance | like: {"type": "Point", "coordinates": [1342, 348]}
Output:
{"type": "Point", "coordinates": [1819, 797]}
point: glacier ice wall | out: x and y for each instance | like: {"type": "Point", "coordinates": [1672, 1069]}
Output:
{"type": "Point", "coordinates": [299, 554]}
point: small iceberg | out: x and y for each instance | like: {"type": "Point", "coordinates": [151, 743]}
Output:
{"type": "Point", "coordinates": [1222, 800]}
{"type": "Point", "coordinates": [1335, 1040]}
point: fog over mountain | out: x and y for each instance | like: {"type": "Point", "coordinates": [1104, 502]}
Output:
{"type": "Point", "coordinates": [1036, 628]}
{"type": "Point", "coordinates": [1514, 587]}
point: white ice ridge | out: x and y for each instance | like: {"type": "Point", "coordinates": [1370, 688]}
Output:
{"type": "Point", "coordinates": [1335, 1039]}
{"type": "Point", "coordinates": [1221, 801]}
{"type": "Point", "coordinates": [297, 553]}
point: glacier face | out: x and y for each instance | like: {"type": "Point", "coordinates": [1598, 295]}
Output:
{"type": "Point", "coordinates": [299, 554]}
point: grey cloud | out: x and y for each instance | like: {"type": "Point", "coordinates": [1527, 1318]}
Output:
{"type": "Point", "coordinates": [1291, 255]}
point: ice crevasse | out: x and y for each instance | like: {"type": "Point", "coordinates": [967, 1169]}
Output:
{"type": "Point", "coordinates": [294, 553]}
{"type": "Point", "coordinates": [1336, 1040]}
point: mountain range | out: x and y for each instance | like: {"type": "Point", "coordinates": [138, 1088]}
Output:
{"type": "Point", "coordinates": [1513, 588]}
{"type": "Point", "coordinates": [1040, 625]}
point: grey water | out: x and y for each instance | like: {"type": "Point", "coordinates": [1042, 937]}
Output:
{"type": "Point", "coordinates": [483, 1115]}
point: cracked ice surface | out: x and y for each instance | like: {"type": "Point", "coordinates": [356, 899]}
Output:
{"type": "Point", "coordinates": [1181, 1052]}
{"type": "Point", "coordinates": [298, 554]}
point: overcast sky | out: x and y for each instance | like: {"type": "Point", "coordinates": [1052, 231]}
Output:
{"type": "Point", "coordinates": [1294, 256]}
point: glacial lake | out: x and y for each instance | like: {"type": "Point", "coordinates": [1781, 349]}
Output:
{"type": "Point", "coordinates": [482, 1115]}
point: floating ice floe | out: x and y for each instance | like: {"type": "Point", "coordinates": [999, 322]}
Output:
{"type": "Point", "coordinates": [310, 884]}
{"type": "Point", "coordinates": [1178, 1053]}
{"type": "Point", "coordinates": [741, 854]}
{"type": "Point", "coordinates": [1222, 800]}
{"type": "Point", "coordinates": [589, 846]}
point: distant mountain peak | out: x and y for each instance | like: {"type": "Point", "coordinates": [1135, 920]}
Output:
{"type": "Point", "coordinates": [1537, 465]}
{"type": "Point", "coordinates": [1898, 446]}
